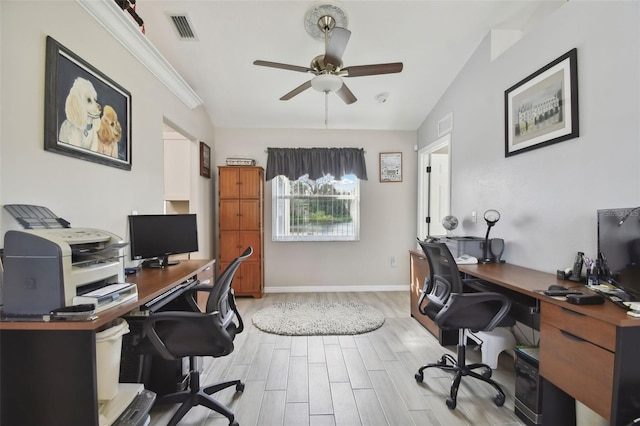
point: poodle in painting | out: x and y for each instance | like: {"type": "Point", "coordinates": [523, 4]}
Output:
{"type": "Point", "coordinates": [83, 116]}
{"type": "Point", "coordinates": [110, 133]}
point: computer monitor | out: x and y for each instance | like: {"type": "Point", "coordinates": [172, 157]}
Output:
{"type": "Point", "coordinates": [155, 237]}
{"type": "Point", "coordinates": [619, 246]}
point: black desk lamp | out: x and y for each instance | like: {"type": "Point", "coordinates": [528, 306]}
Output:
{"type": "Point", "coordinates": [491, 217]}
{"type": "Point", "coordinates": [626, 216]}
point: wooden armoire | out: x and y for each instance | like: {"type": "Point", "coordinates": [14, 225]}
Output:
{"type": "Point", "coordinates": [241, 224]}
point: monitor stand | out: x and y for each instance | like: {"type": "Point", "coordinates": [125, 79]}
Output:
{"type": "Point", "coordinates": [159, 262]}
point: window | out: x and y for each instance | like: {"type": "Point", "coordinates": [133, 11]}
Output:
{"type": "Point", "coordinates": [322, 210]}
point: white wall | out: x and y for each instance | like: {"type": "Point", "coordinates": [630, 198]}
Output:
{"type": "Point", "coordinates": [548, 197]}
{"type": "Point", "coordinates": [86, 194]}
{"type": "Point", "coordinates": [387, 213]}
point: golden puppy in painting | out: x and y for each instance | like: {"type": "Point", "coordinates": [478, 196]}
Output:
{"type": "Point", "coordinates": [110, 133]}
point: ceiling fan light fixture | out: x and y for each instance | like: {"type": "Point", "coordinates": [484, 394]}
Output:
{"type": "Point", "coordinates": [326, 83]}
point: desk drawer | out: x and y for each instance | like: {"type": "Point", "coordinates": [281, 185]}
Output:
{"type": "Point", "coordinates": [581, 369]}
{"type": "Point", "coordinates": [587, 328]}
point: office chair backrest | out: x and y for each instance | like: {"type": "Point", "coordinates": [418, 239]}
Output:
{"type": "Point", "coordinates": [219, 297]}
{"type": "Point", "coordinates": [444, 275]}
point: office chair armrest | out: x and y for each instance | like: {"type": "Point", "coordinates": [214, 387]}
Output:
{"type": "Point", "coordinates": [234, 308]}
{"type": "Point", "coordinates": [182, 317]}
{"type": "Point", "coordinates": [460, 301]}
{"type": "Point", "coordinates": [190, 295]}
{"type": "Point", "coordinates": [426, 289]}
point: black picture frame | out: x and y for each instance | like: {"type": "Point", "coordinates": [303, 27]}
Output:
{"type": "Point", "coordinates": [87, 130]}
{"type": "Point", "coordinates": [542, 109]}
{"type": "Point", "coordinates": [205, 160]}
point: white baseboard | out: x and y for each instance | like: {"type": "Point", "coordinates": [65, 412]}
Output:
{"type": "Point", "coordinates": [336, 289]}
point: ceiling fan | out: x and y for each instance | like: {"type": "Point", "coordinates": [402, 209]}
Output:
{"type": "Point", "coordinates": [324, 21]}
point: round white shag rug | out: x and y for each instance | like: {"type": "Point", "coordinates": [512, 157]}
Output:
{"type": "Point", "coordinates": [318, 318]}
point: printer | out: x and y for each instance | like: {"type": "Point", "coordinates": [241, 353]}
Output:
{"type": "Point", "coordinates": [44, 269]}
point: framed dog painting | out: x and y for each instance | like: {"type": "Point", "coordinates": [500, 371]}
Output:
{"type": "Point", "coordinates": [87, 115]}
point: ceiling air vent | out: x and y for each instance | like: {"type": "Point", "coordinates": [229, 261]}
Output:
{"type": "Point", "coordinates": [183, 26]}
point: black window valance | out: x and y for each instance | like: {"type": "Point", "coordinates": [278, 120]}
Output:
{"type": "Point", "coordinates": [316, 162]}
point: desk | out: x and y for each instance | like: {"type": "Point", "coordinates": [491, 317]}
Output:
{"type": "Point", "coordinates": [48, 369]}
{"type": "Point", "coordinates": [591, 353]}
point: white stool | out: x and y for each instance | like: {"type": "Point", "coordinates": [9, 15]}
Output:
{"type": "Point", "coordinates": [493, 343]}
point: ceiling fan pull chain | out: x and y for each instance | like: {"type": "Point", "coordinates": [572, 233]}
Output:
{"type": "Point", "coordinates": [326, 110]}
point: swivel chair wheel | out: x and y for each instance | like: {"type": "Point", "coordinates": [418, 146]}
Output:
{"type": "Point", "coordinates": [234, 424]}
{"type": "Point", "coordinates": [487, 373]}
{"type": "Point", "coordinates": [419, 377]}
{"type": "Point", "coordinates": [240, 387]}
{"type": "Point", "coordinates": [499, 400]}
{"type": "Point", "coordinates": [451, 403]}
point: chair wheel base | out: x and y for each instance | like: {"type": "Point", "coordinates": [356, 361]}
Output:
{"type": "Point", "coordinates": [451, 403]}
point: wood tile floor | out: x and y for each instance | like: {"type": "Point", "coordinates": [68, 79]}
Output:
{"type": "Point", "coordinates": [366, 379]}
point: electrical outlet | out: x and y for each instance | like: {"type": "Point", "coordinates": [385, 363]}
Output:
{"type": "Point", "coordinates": [474, 216]}
{"type": "Point", "coordinates": [394, 262]}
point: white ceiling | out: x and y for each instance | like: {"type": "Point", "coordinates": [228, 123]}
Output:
{"type": "Point", "coordinates": [432, 38]}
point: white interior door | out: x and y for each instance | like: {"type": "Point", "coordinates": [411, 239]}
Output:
{"type": "Point", "coordinates": [434, 193]}
{"type": "Point", "coordinates": [439, 198]}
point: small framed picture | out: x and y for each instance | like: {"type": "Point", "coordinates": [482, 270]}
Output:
{"type": "Point", "coordinates": [390, 167]}
{"type": "Point", "coordinates": [205, 160]}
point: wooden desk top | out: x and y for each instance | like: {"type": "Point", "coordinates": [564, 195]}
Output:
{"type": "Point", "coordinates": [531, 282]}
{"type": "Point", "coordinates": [151, 283]}
{"type": "Point", "coordinates": [526, 281]}
{"type": "Point", "coordinates": [517, 278]}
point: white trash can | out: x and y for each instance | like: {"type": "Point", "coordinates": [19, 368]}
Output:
{"type": "Point", "coordinates": [108, 351]}
{"type": "Point", "coordinates": [587, 417]}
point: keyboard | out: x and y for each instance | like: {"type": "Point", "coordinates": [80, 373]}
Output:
{"type": "Point", "coordinates": [615, 294]}
{"type": "Point", "coordinates": [137, 413]}
{"type": "Point", "coordinates": [166, 297]}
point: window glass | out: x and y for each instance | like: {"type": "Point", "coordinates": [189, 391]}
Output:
{"type": "Point", "coordinates": [322, 210]}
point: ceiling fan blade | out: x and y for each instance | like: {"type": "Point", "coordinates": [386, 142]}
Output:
{"type": "Point", "coordinates": [362, 70]}
{"type": "Point", "coordinates": [296, 91]}
{"type": "Point", "coordinates": [346, 95]}
{"type": "Point", "coordinates": [337, 44]}
{"type": "Point", "coordinates": [282, 66]}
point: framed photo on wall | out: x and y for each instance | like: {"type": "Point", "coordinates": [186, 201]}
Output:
{"type": "Point", "coordinates": [205, 160]}
{"type": "Point", "coordinates": [390, 167]}
{"type": "Point", "coordinates": [87, 115]}
{"type": "Point", "coordinates": [542, 109]}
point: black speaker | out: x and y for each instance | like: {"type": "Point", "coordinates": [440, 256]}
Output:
{"type": "Point", "coordinates": [496, 248]}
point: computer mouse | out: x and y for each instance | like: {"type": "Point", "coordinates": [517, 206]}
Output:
{"type": "Point", "coordinates": [556, 287]}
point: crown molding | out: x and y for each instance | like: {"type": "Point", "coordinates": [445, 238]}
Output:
{"type": "Point", "coordinates": [114, 20]}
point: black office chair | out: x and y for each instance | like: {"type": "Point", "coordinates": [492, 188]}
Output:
{"type": "Point", "coordinates": [177, 334]}
{"type": "Point", "coordinates": [452, 309]}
